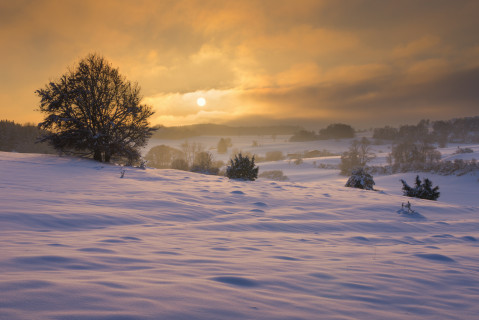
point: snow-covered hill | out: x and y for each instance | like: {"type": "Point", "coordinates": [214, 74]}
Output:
{"type": "Point", "coordinates": [79, 242]}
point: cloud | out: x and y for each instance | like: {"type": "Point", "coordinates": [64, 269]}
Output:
{"type": "Point", "coordinates": [316, 60]}
{"type": "Point", "coordinates": [356, 73]}
{"type": "Point", "coordinates": [392, 99]}
{"type": "Point", "coordinates": [423, 45]}
{"type": "Point", "coordinates": [181, 108]}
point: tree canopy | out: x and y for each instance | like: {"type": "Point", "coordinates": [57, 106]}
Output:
{"type": "Point", "coordinates": [92, 109]}
{"type": "Point", "coordinates": [337, 131]}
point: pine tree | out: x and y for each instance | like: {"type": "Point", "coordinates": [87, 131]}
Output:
{"type": "Point", "coordinates": [428, 192]}
{"type": "Point", "coordinates": [421, 190]}
{"type": "Point", "coordinates": [242, 168]}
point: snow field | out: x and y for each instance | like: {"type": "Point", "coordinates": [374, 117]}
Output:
{"type": "Point", "coordinates": [78, 242]}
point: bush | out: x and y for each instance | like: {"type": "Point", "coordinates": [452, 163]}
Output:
{"type": "Point", "coordinates": [274, 156]}
{"type": "Point", "coordinates": [161, 156]}
{"type": "Point", "coordinates": [463, 150]}
{"type": "Point", "coordinates": [223, 145]}
{"type": "Point", "coordinates": [242, 168]}
{"type": "Point", "coordinates": [204, 163]}
{"type": "Point", "coordinates": [276, 175]}
{"type": "Point", "coordinates": [360, 179]}
{"type": "Point", "coordinates": [179, 164]}
{"type": "Point", "coordinates": [218, 163]}
{"type": "Point", "coordinates": [421, 190]}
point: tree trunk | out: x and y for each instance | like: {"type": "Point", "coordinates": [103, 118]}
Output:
{"type": "Point", "coordinates": [107, 157]}
{"type": "Point", "coordinates": [97, 155]}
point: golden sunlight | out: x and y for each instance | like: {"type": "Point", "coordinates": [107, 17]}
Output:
{"type": "Point", "coordinates": [201, 102]}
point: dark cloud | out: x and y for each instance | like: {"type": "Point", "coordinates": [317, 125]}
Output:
{"type": "Point", "coordinates": [389, 99]}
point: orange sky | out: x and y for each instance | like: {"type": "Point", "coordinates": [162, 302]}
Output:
{"type": "Point", "coordinates": [362, 62]}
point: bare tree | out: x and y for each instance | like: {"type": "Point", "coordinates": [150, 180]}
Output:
{"type": "Point", "coordinates": [358, 155]}
{"type": "Point", "coordinates": [94, 110]}
{"type": "Point", "coordinates": [190, 150]}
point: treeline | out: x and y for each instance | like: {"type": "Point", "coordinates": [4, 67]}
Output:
{"type": "Point", "coordinates": [405, 156]}
{"type": "Point", "coordinates": [185, 132]}
{"type": "Point", "coordinates": [21, 138]}
{"type": "Point", "coordinates": [414, 146]}
{"type": "Point", "coordinates": [333, 131]}
{"type": "Point", "coordinates": [461, 130]}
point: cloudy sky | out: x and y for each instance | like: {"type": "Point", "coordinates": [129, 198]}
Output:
{"type": "Point", "coordinates": [361, 62]}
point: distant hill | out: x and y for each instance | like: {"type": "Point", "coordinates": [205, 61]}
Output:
{"type": "Point", "coordinates": [183, 132]}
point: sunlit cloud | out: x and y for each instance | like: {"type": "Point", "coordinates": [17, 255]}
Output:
{"type": "Point", "coordinates": [362, 61]}
{"type": "Point", "coordinates": [182, 108]}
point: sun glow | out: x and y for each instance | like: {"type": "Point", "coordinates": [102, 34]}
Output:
{"type": "Point", "coordinates": [201, 102]}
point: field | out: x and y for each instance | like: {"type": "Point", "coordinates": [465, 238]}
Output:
{"type": "Point", "coordinates": [79, 242]}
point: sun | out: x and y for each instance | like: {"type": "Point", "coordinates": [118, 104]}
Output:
{"type": "Point", "coordinates": [201, 102]}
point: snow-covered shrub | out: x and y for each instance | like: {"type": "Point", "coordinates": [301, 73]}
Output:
{"type": "Point", "coordinates": [276, 175]}
{"type": "Point", "coordinates": [242, 167]}
{"type": "Point", "coordinates": [422, 190]}
{"type": "Point", "coordinates": [360, 179]}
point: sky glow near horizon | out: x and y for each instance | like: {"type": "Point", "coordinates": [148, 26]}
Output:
{"type": "Point", "coordinates": [362, 62]}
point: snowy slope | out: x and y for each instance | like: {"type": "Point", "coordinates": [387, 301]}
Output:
{"type": "Point", "coordinates": [79, 242]}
